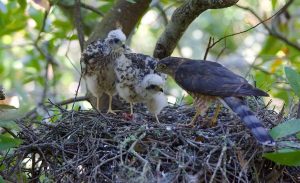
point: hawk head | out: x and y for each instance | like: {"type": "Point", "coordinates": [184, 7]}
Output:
{"type": "Point", "coordinates": [153, 83]}
{"type": "Point", "coordinates": [117, 33]}
{"type": "Point", "coordinates": [169, 65]}
{"type": "Point", "coordinates": [115, 45]}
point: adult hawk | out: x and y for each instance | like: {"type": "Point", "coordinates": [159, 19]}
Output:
{"type": "Point", "coordinates": [137, 82]}
{"type": "Point", "coordinates": [208, 81]}
{"type": "Point", "coordinates": [98, 60]}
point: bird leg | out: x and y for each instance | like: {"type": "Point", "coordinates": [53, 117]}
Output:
{"type": "Point", "coordinates": [97, 106]}
{"type": "Point", "coordinates": [216, 113]}
{"type": "Point", "coordinates": [109, 106]}
{"type": "Point", "coordinates": [194, 119]}
{"type": "Point", "coordinates": [201, 106]}
{"type": "Point", "coordinates": [131, 108]}
{"type": "Point", "coordinates": [156, 118]}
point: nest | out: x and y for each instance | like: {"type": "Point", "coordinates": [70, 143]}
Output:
{"type": "Point", "coordinates": [87, 146]}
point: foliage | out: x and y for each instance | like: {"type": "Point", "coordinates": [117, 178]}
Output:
{"type": "Point", "coordinates": [286, 156]}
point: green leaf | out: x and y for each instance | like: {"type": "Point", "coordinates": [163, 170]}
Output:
{"type": "Point", "coordinates": [1, 180]}
{"type": "Point", "coordinates": [286, 128]}
{"type": "Point", "coordinates": [22, 3]}
{"type": "Point", "coordinates": [274, 2]}
{"type": "Point", "coordinates": [8, 142]}
{"type": "Point", "coordinates": [293, 78]}
{"type": "Point", "coordinates": [298, 135]}
{"type": "Point", "coordinates": [285, 157]}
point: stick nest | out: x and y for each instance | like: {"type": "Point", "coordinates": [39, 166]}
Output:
{"type": "Point", "coordinates": [87, 146]}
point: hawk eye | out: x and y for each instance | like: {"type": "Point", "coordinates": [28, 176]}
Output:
{"type": "Point", "coordinates": [115, 40]}
{"type": "Point", "coordinates": [162, 66]}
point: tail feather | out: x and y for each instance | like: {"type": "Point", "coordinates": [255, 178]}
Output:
{"type": "Point", "coordinates": [250, 120]}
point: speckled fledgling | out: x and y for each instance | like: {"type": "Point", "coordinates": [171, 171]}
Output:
{"type": "Point", "coordinates": [138, 82]}
{"type": "Point", "coordinates": [98, 60]}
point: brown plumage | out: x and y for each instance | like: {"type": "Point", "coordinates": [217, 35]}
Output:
{"type": "Point", "coordinates": [98, 61]}
{"type": "Point", "coordinates": [208, 81]}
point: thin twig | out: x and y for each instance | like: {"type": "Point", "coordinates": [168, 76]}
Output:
{"type": "Point", "coordinates": [207, 48]}
{"type": "Point", "coordinates": [272, 32]}
{"type": "Point", "coordinates": [261, 22]}
{"type": "Point", "coordinates": [64, 102]}
{"type": "Point", "coordinates": [219, 163]}
{"type": "Point", "coordinates": [93, 9]}
{"type": "Point", "coordinates": [42, 27]}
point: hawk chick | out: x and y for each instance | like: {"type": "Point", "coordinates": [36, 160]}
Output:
{"type": "Point", "coordinates": [209, 81]}
{"type": "Point", "coordinates": [98, 60]}
{"type": "Point", "coordinates": [137, 81]}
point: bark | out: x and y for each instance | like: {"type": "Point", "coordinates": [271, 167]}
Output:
{"type": "Point", "coordinates": [182, 17]}
{"type": "Point", "coordinates": [123, 13]}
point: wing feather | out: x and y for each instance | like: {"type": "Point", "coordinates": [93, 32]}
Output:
{"type": "Point", "coordinates": [211, 78]}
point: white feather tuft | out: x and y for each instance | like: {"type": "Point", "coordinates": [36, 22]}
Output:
{"type": "Point", "coordinates": [117, 33]}
{"type": "Point", "coordinates": [157, 103]}
{"type": "Point", "coordinates": [152, 79]}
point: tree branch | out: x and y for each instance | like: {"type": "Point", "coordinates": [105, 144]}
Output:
{"type": "Point", "coordinates": [78, 23]}
{"type": "Point", "coordinates": [272, 32]}
{"type": "Point", "coordinates": [182, 17]}
{"type": "Point", "coordinates": [123, 13]}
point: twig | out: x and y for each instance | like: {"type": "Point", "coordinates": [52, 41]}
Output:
{"type": "Point", "coordinates": [261, 22]}
{"type": "Point", "coordinates": [46, 85]}
{"type": "Point", "coordinates": [77, 90]}
{"type": "Point", "coordinates": [64, 102]}
{"type": "Point", "coordinates": [67, 56]}
{"type": "Point", "coordinates": [272, 32]}
{"type": "Point", "coordinates": [219, 163]}
{"type": "Point", "coordinates": [95, 10]}
{"type": "Point", "coordinates": [46, 55]}
{"type": "Point", "coordinates": [42, 28]}
{"type": "Point", "coordinates": [10, 132]}
{"type": "Point", "coordinates": [182, 17]}
{"type": "Point", "coordinates": [208, 47]}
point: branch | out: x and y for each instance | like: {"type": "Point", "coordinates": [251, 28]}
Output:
{"type": "Point", "coordinates": [78, 23]}
{"type": "Point", "coordinates": [88, 7]}
{"type": "Point", "coordinates": [123, 13]}
{"type": "Point", "coordinates": [65, 102]}
{"type": "Point", "coordinates": [182, 17]}
{"type": "Point", "coordinates": [261, 22]}
{"type": "Point", "coordinates": [270, 31]}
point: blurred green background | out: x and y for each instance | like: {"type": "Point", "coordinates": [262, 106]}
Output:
{"type": "Point", "coordinates": [39, 51]}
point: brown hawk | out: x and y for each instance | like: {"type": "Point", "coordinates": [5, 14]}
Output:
{"type": "Point", "coordinates": [208, 81]}
{"type": "Point", "coordinates": [98, 60]}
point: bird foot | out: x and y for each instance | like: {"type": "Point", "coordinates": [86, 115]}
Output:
{"type": "Point", "coordinates": [112, 111]}
{"type": "Point", "coordinates": [189, 125]}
